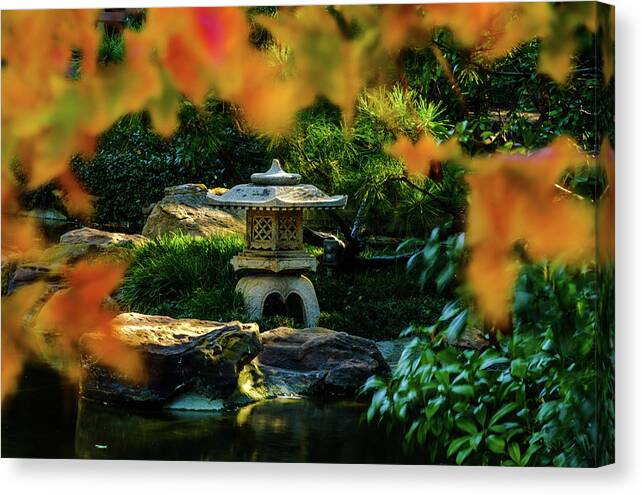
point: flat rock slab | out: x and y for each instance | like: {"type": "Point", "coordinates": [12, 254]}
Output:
{"type": "Point", "coordinates": [317, 362]}
{"type": "Point", "coordinates": [180, 356]}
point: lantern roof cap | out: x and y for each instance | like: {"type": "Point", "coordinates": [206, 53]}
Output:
{"type": "Point", "coordinates": [275, 176]}
{"type": "Point", "coordinates": [276, 189]}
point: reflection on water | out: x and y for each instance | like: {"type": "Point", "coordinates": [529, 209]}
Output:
{"type": "Point", "coordinates": [281, 430]}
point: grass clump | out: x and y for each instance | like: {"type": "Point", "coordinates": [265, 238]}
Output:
{"type": "Point", "coordinates": [185, 277]}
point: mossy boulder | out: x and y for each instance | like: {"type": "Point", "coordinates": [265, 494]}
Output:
{"type": "Point", "coordinates": [317, 363]}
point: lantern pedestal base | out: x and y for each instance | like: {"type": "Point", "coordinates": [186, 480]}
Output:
{"type": "Point", "coordinates": [293, 293]}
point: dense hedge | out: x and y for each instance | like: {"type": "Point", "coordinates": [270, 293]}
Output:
{"type": "Point", "coordinates": [133, 164]}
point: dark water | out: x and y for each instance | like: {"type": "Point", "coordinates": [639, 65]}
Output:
{"type": "Point", "coordinates": [46, 419]}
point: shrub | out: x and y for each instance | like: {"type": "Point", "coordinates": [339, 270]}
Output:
{"type": "Point", "coordinates": [133, 165]}
{"type": "Point", "coordinates": [376, 303]}
{"type": "Point", "coordinates": [353, 160]}
{"type": "Point", "coordinates": [530, 401]}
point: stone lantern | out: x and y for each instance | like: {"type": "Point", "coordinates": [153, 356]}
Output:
{"type": "Point", "coordinates": [274, 259]}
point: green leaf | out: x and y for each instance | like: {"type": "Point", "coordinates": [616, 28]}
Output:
{"type": "Point", "coordinates": [480, 414]}
{"type": "Point", "coordinates": [514, 452]}
{"type": "Point", "coordinates": [456, 326]}
{"type": "Point", "coordinates": [465, 390]}
{"type": "Point", "coordinates": [461, 457]}
{"type": "Point", "coordinates": [456, 444]}
{"type": "Point", "coordinates": [546, 411]}
{"type": "Point", "coordinates": [448, 356]}
{"type": "Point", "coordinates": [433, 407]}
{"type": "Point", "coordinates": [450, 310]}
{"type": "Point", "coordinates": [494, 361]}
{"type": "Point", "coordinates": [467, 425]}
{"type": "Point", "coordinates": [445, 277]}
{"type": "Point", "coordinates": [496, 444]}
{"type": "Point", "coordinates": [503, 411]}
{"type": "Point", "coordinates": [530, 452]}
{"type": "Point", "coordinates": [475, 440]}
{"type": "Point", "coordinates": [518, 368]}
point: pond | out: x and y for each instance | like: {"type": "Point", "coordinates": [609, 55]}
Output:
{"type": "Point", "coordinates": [45, 418]}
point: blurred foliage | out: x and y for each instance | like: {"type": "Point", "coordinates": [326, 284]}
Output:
{"type": "Point", "coordinates": [213, 145]}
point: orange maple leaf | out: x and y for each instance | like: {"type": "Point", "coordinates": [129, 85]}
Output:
{"type": "Point", "coordinates": [424, 156]}
{"type": "Point", "coordinates": [513, 200]}
{"type": "Point", "coordinates": [78, 309]}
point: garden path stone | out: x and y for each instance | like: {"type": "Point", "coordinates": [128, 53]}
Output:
{"type": "Point", "coordinates": [184, 209]}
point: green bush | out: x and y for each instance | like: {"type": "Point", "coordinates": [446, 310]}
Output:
{"type": "Point", "coordinates": [133, 165]}
{"type": "Point", "coordinates": [376, 303]}
{"type": "Point", "coordinates": [543, 396]}
{"type": "Point", "coordinates": [352, 160]}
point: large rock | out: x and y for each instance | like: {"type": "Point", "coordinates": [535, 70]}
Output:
{"type": "Point", "coordinates": [73, 246]}
{"type": "Point", "coordinates": [180, 356]}
{"type": "Point", "coordinates": [100, 239]}
{"type": "Point", "coordinates": [26, 274]}
{"type": "Point", "coordinates": [184, 209]}
{"type": "Point", "coordinates": [391, 350]}
{"type": "Point", "coordinates": [316, 362]}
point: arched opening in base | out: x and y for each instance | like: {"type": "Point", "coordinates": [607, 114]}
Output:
{"type": "Point", "coordinates": [273, 305]}
{"type": "Point", "coordinates": [295, 309]}
{"type": "Point", "coordinates": [292, 307]}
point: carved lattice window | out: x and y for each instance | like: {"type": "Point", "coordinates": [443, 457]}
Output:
{"type": "Point", "coordinates": [287, 229]}
{"type": "Point", "coordinates": [262, 232]}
